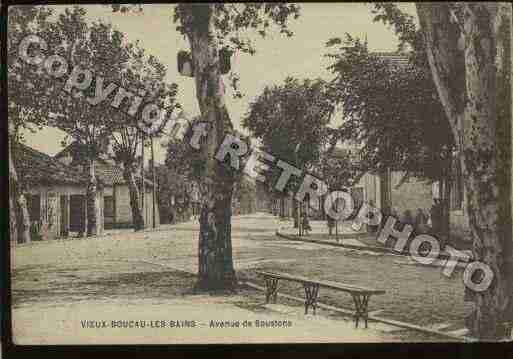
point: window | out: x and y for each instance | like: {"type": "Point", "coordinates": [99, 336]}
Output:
{"type": "Point", "coordinates": [34, 207]}
{"type": "Point", "coordinates": [108, 204]}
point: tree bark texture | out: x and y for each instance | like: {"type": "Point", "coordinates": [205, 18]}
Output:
{"type": "Point", "coordinates": [92, 201]}
{"type": "Point", "coordinates": [135, 201]}
{"type": "Point", "coordinates": [215, 262]}
{"type": "Point", "coordinates": [18, 211]}
{"type": "Point", "coordinates": [469, 52]}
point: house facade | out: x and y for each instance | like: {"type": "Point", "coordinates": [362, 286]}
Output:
{"type": "Point", "coordinates": [419, 193]}
{"type": "Point", "coordinates": [117, 211]}
{"type": "Point", "coordinates": [55, 195]}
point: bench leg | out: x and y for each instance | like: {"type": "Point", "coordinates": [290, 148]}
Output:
{"type": "Point", "coordinates": [311, 292]}
{"type": "Point", "coordinates": [361, 305]}
{"type": "Point", "coordinates": [271, 285]}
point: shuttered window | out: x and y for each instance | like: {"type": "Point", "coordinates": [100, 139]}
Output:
{"type": "Point", "coordinates": [108, 204]}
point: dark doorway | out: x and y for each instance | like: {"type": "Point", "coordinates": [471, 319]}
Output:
{"type": "Point", "coordinates": [77, 213]}
{"type": "Point", "coordinates": [34, 207]}
{"type": "Point", "coordinates": [64, 216]}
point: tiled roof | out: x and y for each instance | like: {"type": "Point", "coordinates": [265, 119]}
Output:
{"type": "Point", "coordinates": [77, 151]}
{"type": "Point", "coordinates": [35, 167]}
{"type": "Point", "coordinates": [107, 173]}
{"type": "Point", "coordinates": [110, 174]}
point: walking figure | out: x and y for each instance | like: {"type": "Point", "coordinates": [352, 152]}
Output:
{"type": "Point", "coordinates": [305, 224]}
{"type": "Point", "coordinates": [421, 221]}
{"type": "Point", "coordinates": [436, 217]}
{"type": "Point", "coordinates": [331, 224]}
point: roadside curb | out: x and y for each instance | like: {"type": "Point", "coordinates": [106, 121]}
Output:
{"type": "Point", "coordinates": [335, 244]}
{"type": "Point", "coordinates": [441, 256]}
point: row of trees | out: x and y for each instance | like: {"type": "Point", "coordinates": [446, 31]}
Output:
{"type": "Point", "coordinates": [453, 96]}
{"type": "Point", "coordinates": [391, 110]}
{"type": "Point", "coordinates": [37, 98]}
{"type": "Point", "coordinates": [300, 112]}
{"type": "Point", "coordinates": [468, 47]}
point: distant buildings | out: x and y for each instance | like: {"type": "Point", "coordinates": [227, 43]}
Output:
{"type": "Point", "coordinates": [116, 196]}
{"type": "Point", "coordinates": [55, 190]}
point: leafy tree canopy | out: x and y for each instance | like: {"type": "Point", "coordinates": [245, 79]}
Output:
{"type": "Point", "coordinates": [103, 50]}
{"type": "Point", "coordinates": [28, 91]}
{"type": "Point", "coordinates": [291, 121]}
{"type": "Point", "coordinates": [232, 24]}
{"type": "Point", "coordinates": [390, 108]}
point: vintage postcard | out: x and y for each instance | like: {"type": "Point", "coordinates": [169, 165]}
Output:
{"type": "Point", "coordinates": [259, 173]}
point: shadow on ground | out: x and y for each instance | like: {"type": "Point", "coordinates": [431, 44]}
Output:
{"type": "Point", "coordinates": [53, 284]}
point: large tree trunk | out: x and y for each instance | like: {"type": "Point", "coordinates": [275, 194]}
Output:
{"type": "Point", "coordinates": [18, 211]}
{"type": "Point", "coordinates": [135, 202]}
{"type": "Point", "coordinates": [13, 178]}
{"type": "Point", "coordinates": [469, 51]}
{"type": "Point", "coordinates": [13, 224]}
{"type": "Point", "coordinates": [92, 201]}
{"type": "Point", "coordinates": [215, 261]}
{"type": "Point", "coordinates": [23, 218]}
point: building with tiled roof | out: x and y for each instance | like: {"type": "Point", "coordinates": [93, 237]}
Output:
{"type": "Point", "coordinates": [109, 174]}
{"type": "Point", "coordinates": [116, 199]}
{"type": "Point", "coordinates": [106, 171]}
{"type": "Point", "coordinates": [38, 168]}
{"type": "Point", "coordinates": [55, 194]}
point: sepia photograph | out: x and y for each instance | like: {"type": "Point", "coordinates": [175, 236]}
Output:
{"type": "Point", "coordinates": [258, 173]}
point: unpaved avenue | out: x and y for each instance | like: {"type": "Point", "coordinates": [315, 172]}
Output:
{"type": "Point", "coordinates": [139, 268]}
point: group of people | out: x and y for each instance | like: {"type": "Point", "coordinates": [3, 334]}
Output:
{"type": "Point", "coordinates": [423, 221]}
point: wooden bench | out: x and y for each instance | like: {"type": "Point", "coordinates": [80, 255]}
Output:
{"type": "Point", "coordinates": [360, 295]}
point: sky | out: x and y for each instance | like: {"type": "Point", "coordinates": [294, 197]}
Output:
{"type": "Point", "coordinates": [277, 56]}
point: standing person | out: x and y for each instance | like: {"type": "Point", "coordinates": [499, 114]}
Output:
{"type": "Point", "coordinates": [372, 228]}
{"type": "Point", "coordinates": [331, 224]}
{"type": "Point", "coordinates": [305, 223]}
{"type": "Point", "coordinates": [420, 221]}
{"type": "Point", "coordinates": [435, 217]}
{"type": "Point", "coordinates": [408, 218]}
{"type": "Point", "coordinates": [171, 217]}
{"type": "Point", "coordinates": [386, 212]}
